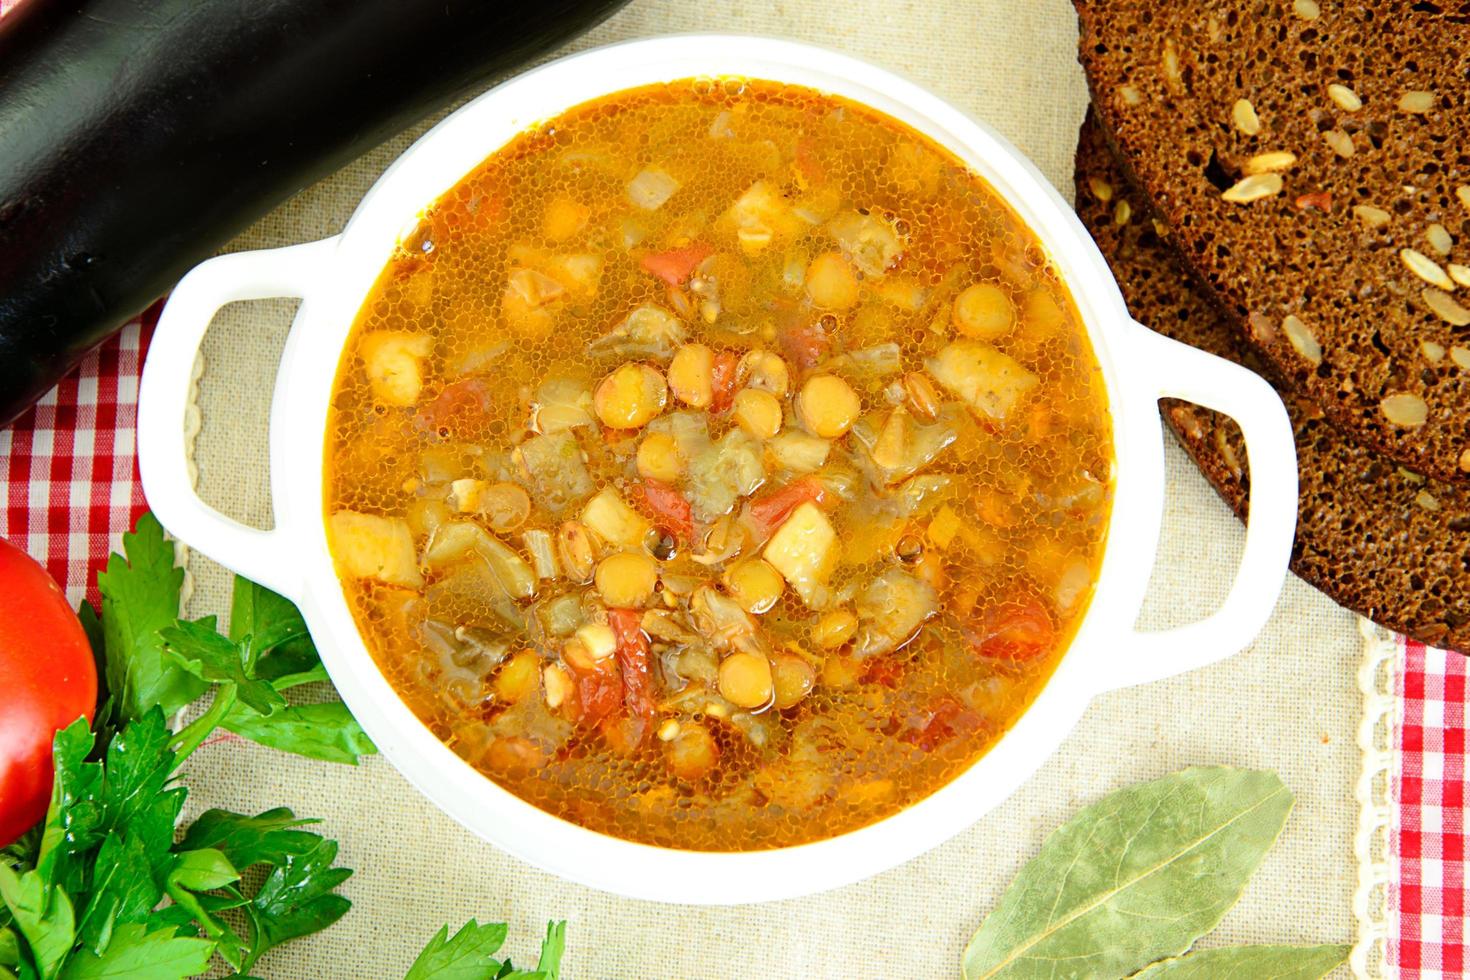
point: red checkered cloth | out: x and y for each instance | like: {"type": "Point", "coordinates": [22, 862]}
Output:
{"type": "Point", "coordinates": [1428, 896]}
{"type": "Point", "coordinates": [71, 483]}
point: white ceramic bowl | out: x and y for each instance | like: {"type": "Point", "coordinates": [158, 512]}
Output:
{"type": "Point", "coordinates": [333, 277]}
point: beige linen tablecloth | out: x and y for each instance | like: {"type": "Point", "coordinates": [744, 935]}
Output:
{"type": "Point", "coordinates": [1289, 703]}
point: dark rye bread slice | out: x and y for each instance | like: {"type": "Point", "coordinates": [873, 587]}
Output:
{"type": "Point", "coordinates": [1381, 540]}
{"type": "Point", "coordinates": [1385, 354]}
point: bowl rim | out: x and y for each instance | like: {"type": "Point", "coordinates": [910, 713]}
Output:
{"type": "Point", "coordinates": [346, 267]}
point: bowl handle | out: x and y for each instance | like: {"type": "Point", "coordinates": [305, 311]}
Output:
{"type": "Point", "coordinates": [1177, 370]}
{"type": "Point", "coordinates": [163, 396]}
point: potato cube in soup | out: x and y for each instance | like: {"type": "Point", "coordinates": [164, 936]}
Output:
{"type": "Point", "coordinates": [761, 216]}
{"type": "Point", "coordinates": [651, 188]}
{"type": "Point", "coordinates": [369, 546]}
{"type": "Point", "coordinates": [804, 550]}
{"type": "Point", "coordinates": [798, 451]}
{"type": "Point", "coordinates": [579, 273]}
{"type": "Point", "coordinates": [990, 382]}
{"type": "Point", "coordinates": [530, 300]}
{"type": "Point", "coordinates": [394, 363]}
{"type": "Point", "coordinates": [871, 242]}
{"type": "Point", "coordinates": [692, 752]}
{"type": "Point", "coordinates": [465, 495]}
{"type": "Point", "coordinates": [614, 521]}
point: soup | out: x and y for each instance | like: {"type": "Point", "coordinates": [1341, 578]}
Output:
{"type": "Point", "coordinates": [720, 466]}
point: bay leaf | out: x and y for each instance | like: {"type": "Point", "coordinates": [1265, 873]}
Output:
{"type": "Point", "coordinates": [1134, 878]}
{"type": "Point", "coordinates": [1250, 963]}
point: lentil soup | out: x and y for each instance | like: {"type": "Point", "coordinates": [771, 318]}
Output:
{"type": "Point", "coordinates": [720, 465]}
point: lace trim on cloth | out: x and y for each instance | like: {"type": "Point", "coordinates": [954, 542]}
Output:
{"type": "Point", "coordinates": [1381, 664]}
{"type": "Point", "coordinates": [193, 421]}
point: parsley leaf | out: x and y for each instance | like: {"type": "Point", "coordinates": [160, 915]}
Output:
{"type": "Point", "coordinates": [43, 915]}
{"type": "Point", "coordinates": [325, 731]}
{"type": "Point", "coordinates": [268, 651]}
{"type": "Point", "coordinates": [199, 871]}
{"type": "Point", "coordinates": [267, 838]}
{"type": "Point", "coordinates": [298, 897]}
{"type": "Point", "coordinates": [82, 895]}
{"type": "Point", "coordinates": [20, 854]}
{"type": "Point", "coordinates": [74, 818]}
{"type": "Point", "coordinates": [279, 630]}
{"type": "Point", "coordinates": [9, 947]}
{"type": "Point", "coordinates": [103, 710]}
{"type": "Point", "coordinates": [125, 809]}
{"type": "Point", "coordinates": [552, 949]}
{"type": "Point", "coordinates": [123, 889]}
{"type": "Point", "coordinates": [140, 596]}
{"type": "Point", "coordinates": [198, 648]}
{"type": "Point", "coordinates": [467, 955]}
{"type": "Point", "coordinates": [136, 953]}
{"type": "Point", "coordinates": [136, 779]}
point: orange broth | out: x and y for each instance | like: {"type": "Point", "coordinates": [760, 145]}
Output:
{"type": "Point", "coordinates": [720, 465]}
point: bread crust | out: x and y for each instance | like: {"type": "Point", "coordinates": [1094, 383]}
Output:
{"type": "Point", "coordinates": [1374, 536]}
{"type": "Point", "coordinates": [1385, 82]}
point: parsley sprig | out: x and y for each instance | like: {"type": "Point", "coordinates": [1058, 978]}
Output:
{"type": "Point", "coordinates": [93, 902]}
{"type": "Point", "coordinates": [469, 954]}
{"type": "Point", "coordinates": [103, 889]}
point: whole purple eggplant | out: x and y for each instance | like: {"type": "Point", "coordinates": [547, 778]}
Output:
{"type": "Point", "coordinates": [138, 136]}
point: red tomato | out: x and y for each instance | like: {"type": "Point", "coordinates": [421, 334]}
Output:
{"type": "Point", "coordinates": [677, 265]}
{"type": "Point", "coordinates": [624, 734]}
{"type": "Point", "coordinates": [460, 403]}
{"type": "Point", "coordinates": [944, 719]}
{"type": "Point", "coordinates": [598, 694]}
{"type": "Point", "coordinates": [1020, 629]}
{"type": "Point", "coordinates": [807, 163]}
{"type": "Point", "coordinates": [722, 379]}
{"type": "Point", "coordinates": [770, 511]}
{"type": "Point", "coordinates": [48, 678]}
{"type": "Point", "coordinates": [633, 659]}
{"type": "Point", "coordinates": [805, 342]}
{"type": "Point", "coordinates": [884, 671]}
{"type": "Point", "coordinates": [670, 507]}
